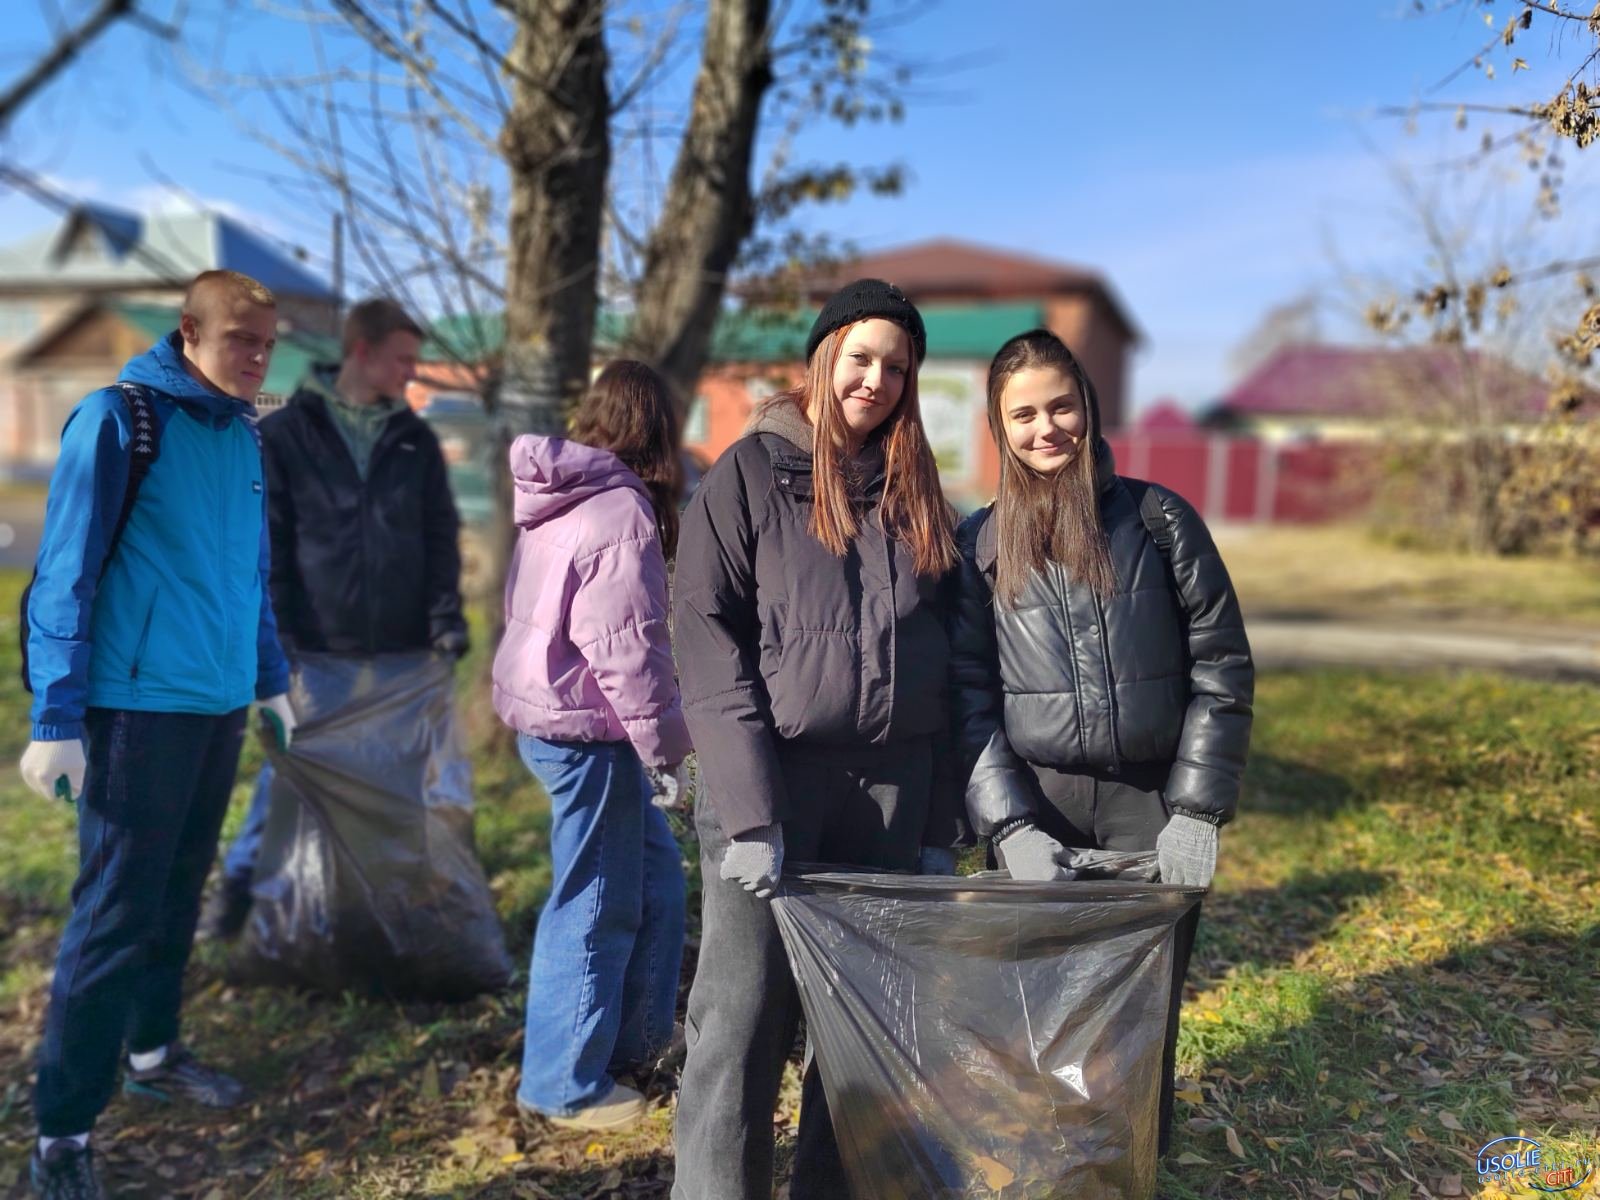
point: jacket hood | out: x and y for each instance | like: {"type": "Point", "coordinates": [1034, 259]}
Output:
{"type": "Point", "coordinates": [551, 474]}
{"type": "Point", "coordinates": [161, 369]}
{"type": "Point", "coordinates": [782, 416]}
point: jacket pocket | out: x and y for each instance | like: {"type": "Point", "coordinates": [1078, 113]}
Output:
{"type": "Point", "coordinates": [142, 647]}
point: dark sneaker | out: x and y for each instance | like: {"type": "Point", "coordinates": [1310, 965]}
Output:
{"type": "Point", "coordinates": [226, 911]}
{"type": "Point", "coordinates": [183, 1077]}
{"type": "Point", "coordinates": [65, 1173]}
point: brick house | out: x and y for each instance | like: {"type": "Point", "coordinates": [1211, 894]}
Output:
{"type": "Point", "coordinates": [77, 301]}
{"type": "Point", "coordinates": [972, 300]}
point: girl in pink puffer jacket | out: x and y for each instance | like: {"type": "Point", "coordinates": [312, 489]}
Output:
{"type": "Point", "coordinates": [584, 675]}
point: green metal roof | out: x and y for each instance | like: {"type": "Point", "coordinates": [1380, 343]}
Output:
{"type": "Point", "coordinates": [294, 356]}
{"type": "Point", "coordinates": [762, 336]}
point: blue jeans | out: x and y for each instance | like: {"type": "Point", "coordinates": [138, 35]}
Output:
{"type": "Point", "coordinates": [154, 796]}
{"type": "Point", "coordinates": [239, 864]}
{"type": "Point", "coordinates": [606, 955]}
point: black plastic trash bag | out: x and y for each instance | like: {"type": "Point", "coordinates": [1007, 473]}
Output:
{"type": "Point", "coordinates": [981, 1037]}
{"type": "Point", "coordinates": [368, 880]}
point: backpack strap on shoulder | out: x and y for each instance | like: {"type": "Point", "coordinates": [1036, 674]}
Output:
{"type": "Point", "coordinates": [144, 447]}
{"type": "Point", "coordinates": [1156, 520]}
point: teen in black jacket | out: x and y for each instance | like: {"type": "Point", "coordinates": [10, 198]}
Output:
{"type": "Point", "coordinates": [1102, 688]}
{"type": "Point", "coordinates": [365, 542]}
{"type": "Point", "coordinates": [365, 552]}
{"type": "Point", "coordinates": [811, 645]}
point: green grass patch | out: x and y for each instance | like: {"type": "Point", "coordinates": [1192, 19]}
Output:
{"type": "Point", "coordinates": [1397, 964]}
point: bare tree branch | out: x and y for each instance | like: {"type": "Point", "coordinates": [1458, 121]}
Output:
{"type": "Point", "coordinates": [67, 48]}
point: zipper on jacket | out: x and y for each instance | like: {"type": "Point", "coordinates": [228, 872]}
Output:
{"type": "Point", "coordinates": [222, 485]}
{"type": "Point", "coordinates": [1057, 579]}
{"type": "Point", "coordinates": [1111, 691]}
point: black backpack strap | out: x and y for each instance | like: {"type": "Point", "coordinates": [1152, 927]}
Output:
{"type": "Point", "coordinates": [1159, 526]}
{"type": "Point", "coordinates": [144, 447]}
{"type": "Point", "coordinates": [1155, 520]}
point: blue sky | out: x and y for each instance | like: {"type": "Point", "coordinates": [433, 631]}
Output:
{"type": "Point", "coordinates": [1212, 161]}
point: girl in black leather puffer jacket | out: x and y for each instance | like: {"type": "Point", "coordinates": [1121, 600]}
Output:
{"type": "Point", "coordinates": [1101, 682]}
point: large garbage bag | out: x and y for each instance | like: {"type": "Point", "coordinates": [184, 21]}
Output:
{"type": "Point", "coordinates": [368, 879]}
{"type": "Point", "coordinates": [982, 1037]}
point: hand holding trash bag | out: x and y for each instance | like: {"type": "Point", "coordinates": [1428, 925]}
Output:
{"type": "Point", "coordinates": [277, 718]}
{"type": "Point", "coordinates": [452, 643]}
{"type": "Point", "coordinates": [755, 859]}
{"type": "Point", "coordinates": [1186, 850]}
{"type": "Point", "coordinates": [1030, 853]}
{"type": "Point", "coordinates": [54, 769]}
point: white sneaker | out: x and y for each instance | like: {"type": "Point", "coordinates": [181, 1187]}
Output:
{"type": "Point", "coordinates": [617, 1109]}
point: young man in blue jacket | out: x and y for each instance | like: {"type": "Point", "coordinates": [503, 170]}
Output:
{"type": "Point", "coordinates": [150, 631]}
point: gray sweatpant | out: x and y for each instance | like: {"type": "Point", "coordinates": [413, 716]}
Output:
{"type": "Point", "coordinates": [863, 806]}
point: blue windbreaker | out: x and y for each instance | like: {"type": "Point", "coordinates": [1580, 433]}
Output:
{"type": "Point", "coordinates": [182, 619]}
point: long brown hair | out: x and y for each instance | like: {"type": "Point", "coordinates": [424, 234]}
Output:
{"type": "Point", "coordinates": [914, 509]}
{"type": "Point", "coordinates": [1042, 518]}
{"type": "Point", "coordinates": [629, 411]}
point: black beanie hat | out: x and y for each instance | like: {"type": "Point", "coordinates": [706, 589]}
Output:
{"type": "Point", "coordinates": [868, 298]}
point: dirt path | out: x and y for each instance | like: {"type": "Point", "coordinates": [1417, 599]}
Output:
{"type": "Point", "coordinates": [1524, 649]}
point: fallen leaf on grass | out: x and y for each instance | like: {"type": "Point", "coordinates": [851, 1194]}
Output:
{"type": "Point", "coordinates": [1450, 1121]}
{"type": "Point", "coordinates": [428, 1089]}
{"type": "Point", "coordinates": [1235, 1146]}
{"type": "Point", "coordinates": [1190, 1159]}
{"type": "Point", "coordinates": [1450, 1185]}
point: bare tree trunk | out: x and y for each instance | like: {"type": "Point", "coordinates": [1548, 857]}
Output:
{"type": "Point", "coordinates": [708, 211]}
{"type": "Point", "coordinates": [557, 147]}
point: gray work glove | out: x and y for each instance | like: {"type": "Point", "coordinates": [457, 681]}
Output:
{"type": "Point", "coordinates": [669, 786]}
{"type": "Point", "coordinates": [1186, 851]}
{"type": "Point", "coordinates": [1030, 853]}
{"type": "Point", "coordinates": [453, 642]}
{"type": "Point", "coordinates": [936, 860]}
{"type": "Point", "coordinates": [755, 859]}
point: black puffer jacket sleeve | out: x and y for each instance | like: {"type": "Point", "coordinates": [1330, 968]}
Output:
{"type": "Point", "coordinates": [283, 580]}
{"type": "Point", "coordinates": [997, 787]}
{"type": "Point", "coordinates": [1216, 730]}
{"type": "Point", "coordinates": [716, 636]}
{"type": "Point", "coordinates": [441, 538]}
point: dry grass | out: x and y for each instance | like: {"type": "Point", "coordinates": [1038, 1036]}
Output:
{"type": "Point", "coordinates": [1344, 571]}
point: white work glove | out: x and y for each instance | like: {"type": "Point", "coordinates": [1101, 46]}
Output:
{"type": "Point", "coordinates": [755, 859]}
{"type": "Point", "coordinates": [54, 769]}
{"type": "Point", "coordinates": [669, 786]}
{"type": "Point", "coordinates": [1032, 854]}
{"type": "Point", "coordinates": [277, 714]}
{"type": "Point", "coordinates": [1186, 851]}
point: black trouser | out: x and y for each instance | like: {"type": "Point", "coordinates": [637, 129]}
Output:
{"type": "Point", "coordinates": [860, 806]}
{"type": "Point", "coordinates": [1101, 811]}
{"type": "Point", "coordinates": [154, 796]}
